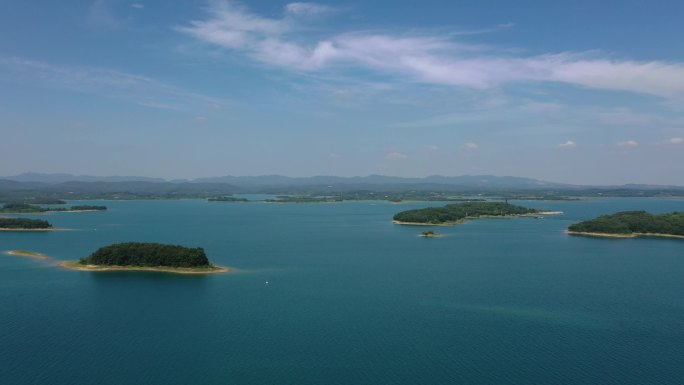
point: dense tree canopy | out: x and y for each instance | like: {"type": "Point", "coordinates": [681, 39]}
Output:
{"type": "Point", "coordinates": [628, 222]}
{"type": "Point", "coordinates": [147, 254]}
{"type": "Point", "coordinates": [88, 207]}
{"type": "Point", "coordinates": [20, 207]}
{"type": "Point", "coordinates": [456, 212]}
{"type": "Point", "coordinates": [24, 223]}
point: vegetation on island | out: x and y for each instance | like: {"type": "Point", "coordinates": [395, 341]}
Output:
{"type": "Point", "coordinates": [633, 222]}
{"type": "Point", "coordinates": [227, 199]}
{"type": "Point", "coordinates": [148, 254]}
{"type": "Point", "coordinates": [24, 224]}
{"type": "Point", "coordinates": [27, 208]}
{"type": "Point", "coordinates": [20, 207]}
{"type": "Point", "coordinates": [45, 201]}
{"type": "Point", "coordinates": [429, 234]}
{"type": "Point", "coordinates": [88, 208]}
{"type": "Point", "coordinates": [453, 213]}
{"type": "Point", "coordinates": [305, 199]}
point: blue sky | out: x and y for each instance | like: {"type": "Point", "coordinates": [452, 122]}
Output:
{"type": "Point", "coordinates": [579, 92]}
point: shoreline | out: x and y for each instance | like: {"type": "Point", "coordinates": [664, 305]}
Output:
{"type": "Point", "coordinates": [26, 253]}
{"type": "Point", "coordinates": [76, 266]}
{"type": "Point", "coordinates": [11, 229]}
{"type": "Point", "coordinates": [466, 219]}
{"type": "Point", "coordinates": [631, 235]}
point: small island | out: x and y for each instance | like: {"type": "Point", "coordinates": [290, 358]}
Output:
{"type": "Point", "coordinates": [458, 213]}
{"type": "Point", "coordinates": [629, 224]}
{"type": "Point", "coordinates": [87, 208]}
{"type": "Point", "coordinates": [26, 253]}
{"type": "Point", "coordinates": [227, 199]}
{"type": "Point", "coordinates": [24, 224]}
{"type": "Point", "coordinates": [136, 256]}
{"type": "Point", "coordinates": [430, 234]}
{"type": "Point", "coordinates": [27, 208]}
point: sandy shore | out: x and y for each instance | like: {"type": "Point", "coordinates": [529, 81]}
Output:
{"type": "Point", "coordinates": [75, 265]}
{"type": "Point", "coordinates": [26, 253]}
{"type": "Point", "coordinates": [632, 235]}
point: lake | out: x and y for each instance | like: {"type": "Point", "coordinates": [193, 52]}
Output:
{"type": "Point", "coordinates": [336, 294]}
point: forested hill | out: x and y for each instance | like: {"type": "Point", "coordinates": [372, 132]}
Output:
{"type": "Point", "coordinates": [456, 212]}
{"type": "Point", "coordinates": [147, 254]}
{"type": "Point", "coordinates": [633, 222]}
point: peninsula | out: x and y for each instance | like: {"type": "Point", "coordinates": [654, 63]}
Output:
{"type": "Point", "coordinates": [629, 224]}
{"type": "Point", "coordinates": [458, 213]}
{"type": "Point", "coordinates": [24, 224]}
{"type": "Point", "coordinates": [136, 256]}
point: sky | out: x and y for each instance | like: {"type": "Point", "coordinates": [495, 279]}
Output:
{"type": "Point", "coordinates": [586, 92]}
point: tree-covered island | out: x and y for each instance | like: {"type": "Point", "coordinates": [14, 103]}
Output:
{"type": "Point", "coordinates": [28, 208]}
{"type": "Point", "coordinates": [24, 224]}
{"type": "Point", "coordinates": [87, 208]}
{"type": "Point", "coordinates": [458, 213]}
{"type": "Point", "coordinates": [147, 257]}
{"type": "Point", "coordinates": [627, 224]}
{"type": "Point", "coordinates": [227, 199]}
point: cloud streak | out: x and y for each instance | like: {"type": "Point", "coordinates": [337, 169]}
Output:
{"type": "Point", "coordinates": [429, 59]}
{"type": "Point", "coordinates": [106, 82]}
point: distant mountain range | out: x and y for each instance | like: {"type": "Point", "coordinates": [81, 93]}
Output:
{"type": "Point", "coordinates": [279, 180]}
{"type": "Point", "coordinates": [279, 183]}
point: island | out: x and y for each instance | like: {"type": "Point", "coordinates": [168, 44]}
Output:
{"type": "Point", "coordinates": [452, 214]}
{"type": "Point", "coordinates": [227, 199]}
{"type": "Point", "coordinates": [629, 224]}
{"type": "Point", "coordinates": [27, 208]}
{"type": "Point", "coordinates": [21, 208]}
{"type": "Point", "coordinates": [137, 256]}
{"type": "Point", "coordinates": [27, 253]}
{"type": "Point", "coordinates": [86, 208]}
{"type": "Point", "coordinates": [45, 201]}
{"type": "Point", "coordinates": [430, 234]}
{"type": "Point", "coordinates": [24, 224]}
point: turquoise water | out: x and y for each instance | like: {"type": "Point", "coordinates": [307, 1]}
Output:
{"type": "Point", "coordinates": [351, 299]}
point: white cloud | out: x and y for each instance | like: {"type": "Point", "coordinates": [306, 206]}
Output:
{"type": "Point", "coordinates": [307, 9]}
{"type": "Point", "coordinates": [431, 59]}
{"type": "Point", "coordinates": [395, 156]}
{"type": "Point", "coordinates": [137, 5]}
{"type": "Point", "coordinates": [675, 141]}
{"type": "Point", "coordinates": [470, 146]}
{"type": "Point", "coordinates": [431, 147]}
{"type": "Point", "coordinates": [106, 82]}
{"type": "Point", "coordinates": [568, 144]}
{"type": "Point", "coordinates": [333, 155]}
{"type": "Point", "coordinates": [627, 144]}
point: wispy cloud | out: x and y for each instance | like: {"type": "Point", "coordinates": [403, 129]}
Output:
{"type": "Point", "coordinates": [431, 147]}
{"type": "Point", "coordinates": [676, 141]}
{"type": "Point", "coordinates": [627, 144]}
{"type": "Point", "coordinates": [141, 90]}
{"type": "Point", "coordinates": [568, 144]}
{"type": "Point", "coordinates": [309, 9]}
{"type": "Point", "coordinates": [395, 156]}
{"type": "Point", "coordinates": [425, 58]}
{"type": "Point", "coordinates": [470, 146]}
